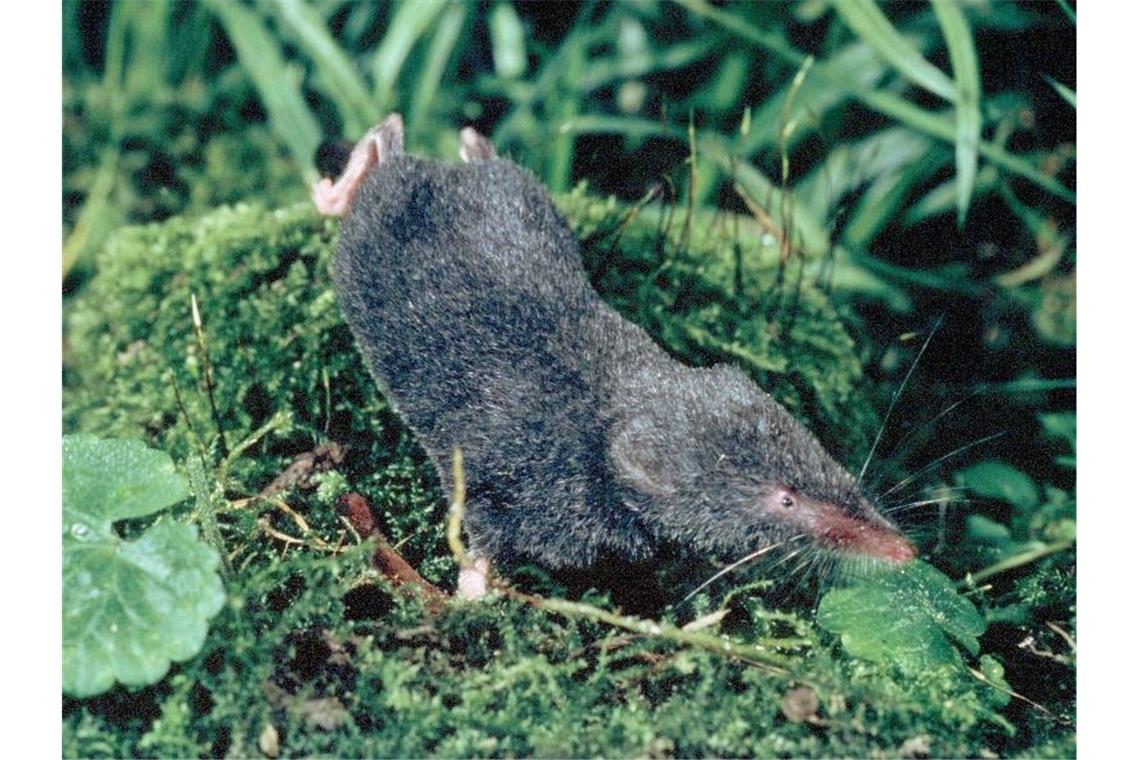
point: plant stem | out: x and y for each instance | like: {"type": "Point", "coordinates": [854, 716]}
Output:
{"type": "Point", "coordinates": [1016, 560]}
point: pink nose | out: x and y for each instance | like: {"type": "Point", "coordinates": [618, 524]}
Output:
{"type": "Point", "coordinates": [886, 543]}
{"type": "Point", "coordinates": [898, 549]}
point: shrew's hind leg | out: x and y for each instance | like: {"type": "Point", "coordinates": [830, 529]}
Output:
{"type": "Point", "coordinates": [474, 579]}
{"type": "Point", "coordinates": [380, 144]}
{"type": "Point", "coordinates": [474, 147]}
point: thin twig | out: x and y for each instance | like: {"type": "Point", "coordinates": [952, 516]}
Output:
{"type": "Point", "coordinates": [982, 677]}
{"type": "Point", "coordinates": [1017, 560]}
{"type": "Point", "coordinates": [186, 417]}
{"type": "Point", "coordinates": [207, 372]}
{"type": "Point", "coordinates": [277, 420]}
{"type": "Point", "coordinates": [1056, 628]}
{"type": "Point", "coordinates": [458, 507]}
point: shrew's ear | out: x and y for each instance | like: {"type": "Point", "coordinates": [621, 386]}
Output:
{"type": "Point", "coordinates": [645, 457]}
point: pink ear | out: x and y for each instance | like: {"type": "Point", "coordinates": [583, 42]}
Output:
{"type": "Point", "coordinates": [474, 147]}
{"type": "Point", "coordinates": [380, 144]}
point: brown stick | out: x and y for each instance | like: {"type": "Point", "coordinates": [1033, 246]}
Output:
{"type": "Point", "coordinates": [387, 560]}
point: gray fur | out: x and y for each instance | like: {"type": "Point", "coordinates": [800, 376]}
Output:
{"type": "Point", "coordinates": [582, 439]}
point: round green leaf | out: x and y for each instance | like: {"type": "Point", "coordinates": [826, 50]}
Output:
{"type": "Point", "coordinates": [908, 617]}
{"type": "Point", "coordinates": [130, 608]}
{"type": "Point", "coordinates": [109, 480]}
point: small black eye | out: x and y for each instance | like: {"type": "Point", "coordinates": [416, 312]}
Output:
{"type": "Point", "coordinates": [787, 502]}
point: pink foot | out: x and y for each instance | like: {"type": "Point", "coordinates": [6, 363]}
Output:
{"type": "Point", "coordinates": [381, 143]}
{"type": "Point", "coordinates": [473, 580]}
{"type": "Point", "coordinates": [474, 146]}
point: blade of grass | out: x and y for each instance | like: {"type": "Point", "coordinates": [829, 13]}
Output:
{"type": "Point", "coordinates": [967, 106]}
{"type": "Point", "coordinates": [408, 24]}
{"type": "Point", "coordinates": [886, 195]}
{"type": "Point", "coordinates": [944, 279]}
{"type": "Point", "coordinates": [74, 62]}
{"type": "Point", "coordinates": [851, 164]}
{"type": "Point", "coordinates": [360, 19]}
{"type": "Point", "coordinates": [342, 84]}
{"type": "Point", "coordinates": [943, 199]}
{"type": "Point", "coordinates": [99, 214]}
{"type": "Point", "coordinates": [549, 94]}
{"type": "Point", "coordinates": [722, 93]}
{"type": "Point", "coordinates": [135, 53]}
{"type": "Point", "coordinates": [278, 87]}
{"type": "Point", "coordinates": [598, 74]}
{"type": "Point", "coordinates": [1068, 11]}
{"type": "Point", "coordinates": [148, 64]}
{"type": "Point", "coordinates": [809, 233]}
{"type": "Point", "coordinates": [941, 127]}
{"type": "Point", "coordinates": [1066, 93]}
{"type": "Point", "coordinates": [520, 121]}
{"type": "Point", "coordinates": [1052, 243]}
{"type": "Point", "coordinates": [115, 49]}
{"type": "Point", "coordinates": [508, 41]}
{"type": "Point", "coordinates": [439, 53]}
{"type": "Point", "coordinates": [820, 93]}
{"type": "Point", "coordinates": [852, 271]}
{"type": "Point", "coordinates": [188, 50]}
{"type": "Point", "coordinates": [628, 126]}
{"type": "Point", "coordinates": [561, 155]}
{"type": "Point", "coordinates": [1017, 560]}
{"type": "Point", "coordinates": [877, 100]}
{"type": "Point", "coordinates": [872, 26]}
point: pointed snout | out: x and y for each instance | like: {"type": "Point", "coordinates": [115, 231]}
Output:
{"type": "Point", "coordinates": [889, 545]}
{"type": "Point", "coordinates": [867, 533]}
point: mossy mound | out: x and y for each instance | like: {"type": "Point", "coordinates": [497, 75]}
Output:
{"type": "Point", "coordinates": [312, 656]}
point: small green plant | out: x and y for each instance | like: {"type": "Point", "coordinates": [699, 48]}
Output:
{"type": "Point", "coordinates": [130, 607]}
{"type": "Point", "coordinates": [909, 617]}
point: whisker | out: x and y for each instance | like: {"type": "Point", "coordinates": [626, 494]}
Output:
{"type": "Point", "coordinates": [822, 571]}
{"type": "Point", "coordinates": [784, 589]}
{"type": "Point", "coordinates": [939, 460]}
{"type": "Point", "coordinates": [728, 569]}
{"type": "Point", "coordinates": [916, 491]}
{"type": "Point", "coordinates": [800, 573]}
{"type": "Point", "coordinates": [895, 400]}
{"type": "Point", "coordinates": [941, 490]}
{"type": "Point", "coordinates": [825, 569]}
{"type": "Point", "coordinates": [912, 435]}
{"type": "Point", "coordinates": [924, 503]}
{"type": "Point", "coordinates": [940, 504]}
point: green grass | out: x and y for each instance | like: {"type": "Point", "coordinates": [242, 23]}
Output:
{"type": "Point", "coordinates": [801, 189]}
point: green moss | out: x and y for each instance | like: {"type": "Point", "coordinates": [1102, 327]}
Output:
{"type": "Point", "coordinates": [499, 678]}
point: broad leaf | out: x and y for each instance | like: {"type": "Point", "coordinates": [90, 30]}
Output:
{"type": "Point", "coordinates": [130, 608]}
{"type": "Point", "coordinates": [909, 617]}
